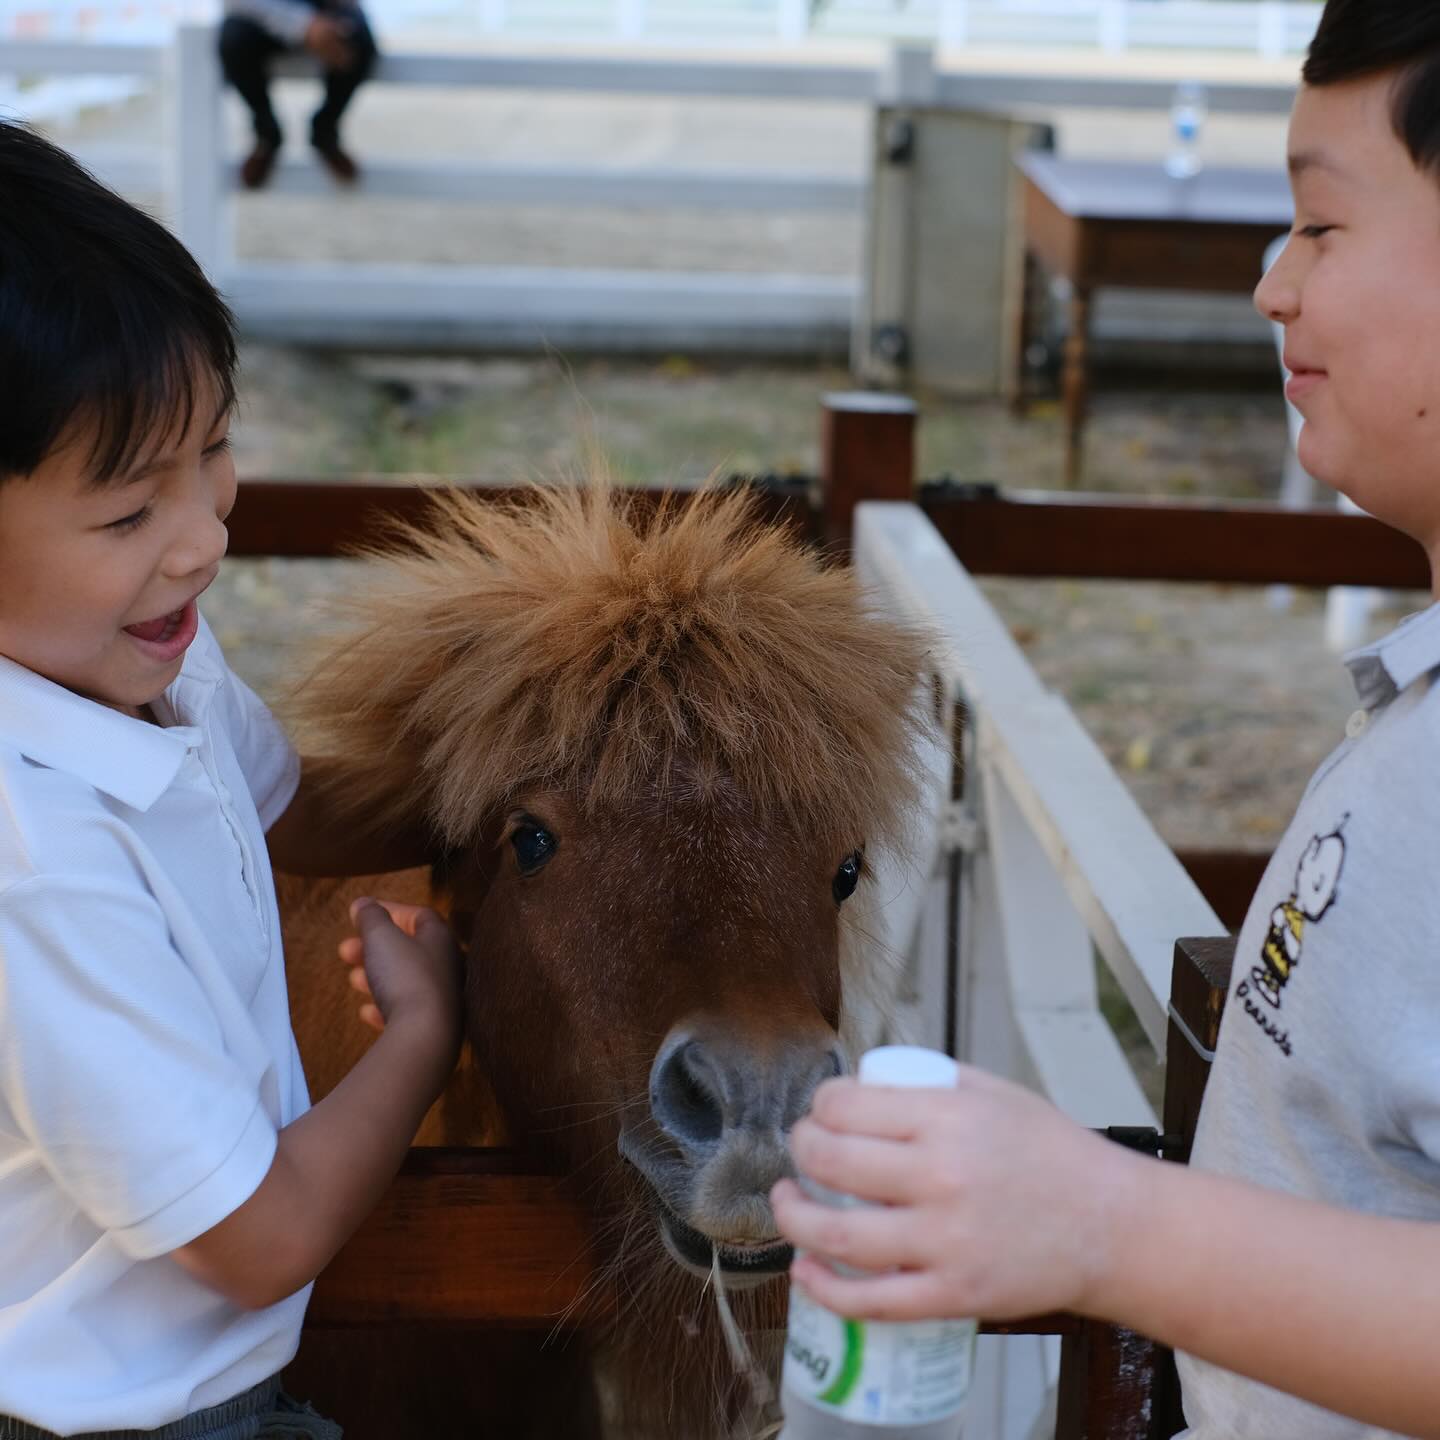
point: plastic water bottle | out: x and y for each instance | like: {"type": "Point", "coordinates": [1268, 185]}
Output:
{"type": "Point", "coordinates": [1188, 111]}
{"type": "Point", "coordinates": [867, 1379]}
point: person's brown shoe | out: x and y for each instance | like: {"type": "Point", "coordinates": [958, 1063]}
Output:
{"type": "Point", "coordinates": [257, 165]}
{"type": "Point", "coordinates": [336, 161]}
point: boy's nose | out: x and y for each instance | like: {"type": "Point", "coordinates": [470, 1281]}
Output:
{"type": "Point", "coordinates": [201, 547]}
{"type": "Point", "coordinates": [1277, 296]}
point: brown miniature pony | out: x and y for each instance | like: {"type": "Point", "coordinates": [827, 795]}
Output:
{"type": "Point", "coordinates": [653, 748]}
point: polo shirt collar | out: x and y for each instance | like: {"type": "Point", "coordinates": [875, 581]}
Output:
{"type": "Point", "coordinates": [130, 760]}
{"type": "Point", "coordinates": [1382, 670]}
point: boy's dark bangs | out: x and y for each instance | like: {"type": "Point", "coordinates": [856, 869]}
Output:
{"type": "Point", "coordinates": [141, 391]}
{"type": "Point", "coordinates": [111, 336]}
{"type": "Point", "coordinates": [1357, 39]}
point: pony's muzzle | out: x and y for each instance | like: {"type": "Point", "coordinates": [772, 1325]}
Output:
{"type": "Point", "coordinates": [711, 1091]}
{"type": "Point", "coordinates": [721, 1107]}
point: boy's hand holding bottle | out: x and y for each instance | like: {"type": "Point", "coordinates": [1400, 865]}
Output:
{"type": "Point", "coordinates": [986, 1201]}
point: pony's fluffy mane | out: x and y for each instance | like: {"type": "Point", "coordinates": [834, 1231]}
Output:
{"type": "Point", "coordinates": [580, 640]}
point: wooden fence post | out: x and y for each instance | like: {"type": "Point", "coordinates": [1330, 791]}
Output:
{"type": "Point", "coordinates": [867, 452]}
{"type": "Point", "coordinates": [1199, 983]}
{"type": "Point", "coordinates": [1115, 1384]}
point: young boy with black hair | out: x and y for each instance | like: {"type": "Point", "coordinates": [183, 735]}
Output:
{"type": "Point", "coordinates": [1311, 1309]}
{"type": "Point", "coordinates": [166, 1193]}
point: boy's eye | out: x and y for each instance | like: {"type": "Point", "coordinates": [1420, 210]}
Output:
{"type": "Point", "coordinates": [220, 447]}
{"type": "Point", "coordinates": [132, 522]}
{"type": "Point", "coordinates": [1314, 232]}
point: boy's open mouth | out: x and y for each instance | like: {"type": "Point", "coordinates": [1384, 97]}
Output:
{"type": "Point", "coordinates": [160, 629]}
{"type": "Point", "coordinates": [166, 636]}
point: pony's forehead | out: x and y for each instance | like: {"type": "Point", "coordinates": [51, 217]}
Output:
{"type": "Point", "coordinates": [692, 799]}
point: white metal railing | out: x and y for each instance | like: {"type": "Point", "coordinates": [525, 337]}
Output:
{"type": "Point", "coordinates": [1056, 865]}
{"type": "Point", "coordinates": [1266, 27]}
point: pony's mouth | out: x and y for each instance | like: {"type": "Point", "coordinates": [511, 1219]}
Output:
{"type": "Point", "coordinates": [756, 1261]}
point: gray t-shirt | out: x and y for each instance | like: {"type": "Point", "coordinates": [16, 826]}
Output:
{"type": "Point", "coordinates": [1326, 1083]}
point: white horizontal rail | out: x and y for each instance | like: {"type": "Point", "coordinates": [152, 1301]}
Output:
{"type": "Point", "coordinates": [622, 74]}
{"type": "Point", "coordinates": [1132, 893]}
{"type": "Point", "coordinates": [736, 79]}
{"type": "Point", "coordinates": [81, 57]}
{"type": "Point", "coordinates": [652, 188]}
{"type": "Point", "coordinates": [741, 79]}
{"type": "Point", "coordinates": [502, 304]}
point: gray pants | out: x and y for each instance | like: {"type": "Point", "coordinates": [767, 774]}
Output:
{"type": "Point", "coordinates": [264, 1413]}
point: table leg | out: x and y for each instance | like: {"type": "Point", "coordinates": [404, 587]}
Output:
{"type": "Point", "coordinates": [1024, 326]}
{"type": "Point", "coordinates": [1077, 383]}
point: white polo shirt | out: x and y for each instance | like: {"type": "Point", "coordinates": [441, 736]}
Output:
{"type": "Point", "coordinates": [146, 1055]}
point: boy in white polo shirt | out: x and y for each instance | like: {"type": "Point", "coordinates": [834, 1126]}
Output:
{"type": "Point", "coordinates": [166, 1194]}
{"type": "Point", "coordinates": [1296, 1262]}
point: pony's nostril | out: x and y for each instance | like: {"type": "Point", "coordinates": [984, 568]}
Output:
{"type": "Point", "coordinates": [686, 1098]}
{"type": "Point", "coordinates": [809, 1076]}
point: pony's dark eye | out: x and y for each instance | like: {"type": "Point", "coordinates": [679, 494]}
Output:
{"type": "Point", "coordinates": [847, 877]}
{"type": "Point", "coordinates": [533, 846]}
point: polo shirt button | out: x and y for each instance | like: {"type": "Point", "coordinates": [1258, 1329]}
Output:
{"type": "Point", "coordinates": [1355, 725]}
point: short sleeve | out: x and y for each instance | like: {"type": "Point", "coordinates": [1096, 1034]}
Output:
{"type": "Point", "coordinates": [266, 757]}
{"type": "Point", "coordinates": [114, 1067]}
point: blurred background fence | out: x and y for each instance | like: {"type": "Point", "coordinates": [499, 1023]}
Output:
{"type": "Point", "coordinates": [1273, 28]}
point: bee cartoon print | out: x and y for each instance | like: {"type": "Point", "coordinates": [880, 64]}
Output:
{"type": "Point", "coordinates": [1317, 883]}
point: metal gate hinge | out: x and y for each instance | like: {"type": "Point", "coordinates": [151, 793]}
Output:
{"type": "Point", "coordinates": [1148, 1141]}
{"type": "Point", "coordinates": [960, 829]}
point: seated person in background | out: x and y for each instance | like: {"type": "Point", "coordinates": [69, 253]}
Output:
{"type": "Point", "coordinates": [335, 32]}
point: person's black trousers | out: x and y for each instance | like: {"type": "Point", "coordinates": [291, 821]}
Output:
{"type": "Point", "coordinates": [246, 50]}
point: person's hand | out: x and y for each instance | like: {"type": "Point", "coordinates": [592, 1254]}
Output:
{"type": "Point", "coordinates": [987, 1201]}
{"type": "Point", "coordinates": [328, 40]}
{"type": "Point", "coordinates": [405, 962]}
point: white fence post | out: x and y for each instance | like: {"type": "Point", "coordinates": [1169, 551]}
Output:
{"type": "Point", "coordinates": [196, 147]}
{"type": "Point", "coordinates": [630, 19]}
{"type": "Point", "coordinates": [1114, 26]}
{"type": "Point", "coordinates": [954, 23]}
{"type": "Point", "coordinates": [1272, 24]}
{"type": "Point", "coordinates": [908, 76]}
{"type": "Point", "coordinates": [792, 20]}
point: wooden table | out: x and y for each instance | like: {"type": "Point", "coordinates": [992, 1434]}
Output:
{"type": "Point", "coordinates": [1103, 222]}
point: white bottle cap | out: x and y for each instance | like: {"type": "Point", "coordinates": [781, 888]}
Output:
{"type": "Point", "coordinates": [908, 1065]}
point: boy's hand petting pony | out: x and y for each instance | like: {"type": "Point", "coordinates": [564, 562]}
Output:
{"type": "Point", "coordinates": [404, 960]}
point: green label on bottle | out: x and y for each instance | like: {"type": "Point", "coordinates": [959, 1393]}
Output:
{"type": "Point", "coordinates": [877, 1373]}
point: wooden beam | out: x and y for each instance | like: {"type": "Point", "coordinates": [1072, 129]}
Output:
{"type": "Point", "coordinates": [461, 1236]}
{"type": "Point", "coordinates": [1019, 534]}
{"type": "Point", "coordinates": [483, 1237]}
{"type": "Point", "coordinates": [320, 519]}
{"type": "Point", "coordinates": [1099, 537]}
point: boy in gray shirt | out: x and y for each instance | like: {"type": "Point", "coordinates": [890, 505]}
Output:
{"type": "Point", "coordinates": [1312, 1311]}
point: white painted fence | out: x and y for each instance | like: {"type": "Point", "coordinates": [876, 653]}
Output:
{"type": "Point", "coordinates": [1266, 27]}
{"type": "Point", "coordinates": [518, 306]}
{"type": "Point", "coordinates": [1044, 863]}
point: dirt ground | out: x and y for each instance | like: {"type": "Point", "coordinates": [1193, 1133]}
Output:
{"type": "Point", "coordinates": [1213, 703]}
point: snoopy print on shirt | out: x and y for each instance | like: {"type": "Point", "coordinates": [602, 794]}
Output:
{"type": "Point", "coordinates": [1317, 886]}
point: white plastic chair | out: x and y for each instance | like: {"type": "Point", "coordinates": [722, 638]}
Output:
{"type": "Point", "coordinates": [1348, 608]}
